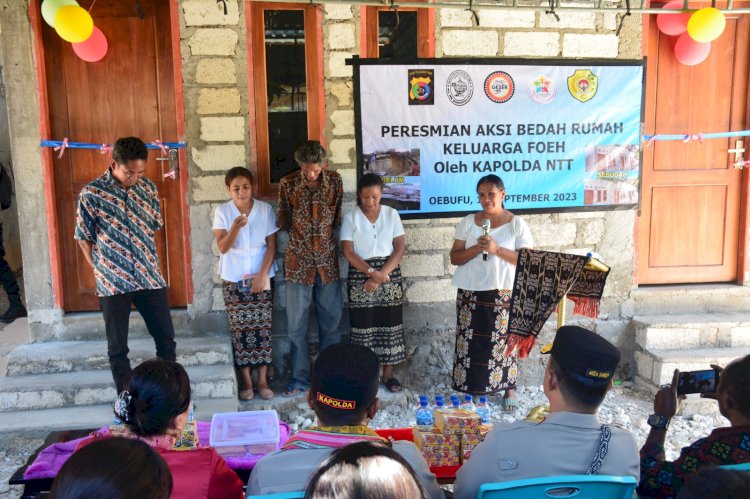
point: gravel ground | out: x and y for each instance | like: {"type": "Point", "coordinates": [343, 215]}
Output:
{"type": "Point", "coordinates": [623, 406]}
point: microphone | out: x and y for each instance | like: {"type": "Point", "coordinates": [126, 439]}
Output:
{"type": "Point", "coordinates": [486, 229]}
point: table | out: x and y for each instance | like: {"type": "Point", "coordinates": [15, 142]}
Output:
{"type": "Point", "coordinates": [34, 487]}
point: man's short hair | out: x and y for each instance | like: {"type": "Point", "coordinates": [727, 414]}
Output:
{"type": "Point", "coordinates": [735, 381]}
{"type": "Point", "coordinates": [344, 384]}
{"type": "Point", "coordinates": [311, 152]}
{"type": "Point", "coordinates": [584, 364]}
{"type": "Point", "coordinates": [129, 149]}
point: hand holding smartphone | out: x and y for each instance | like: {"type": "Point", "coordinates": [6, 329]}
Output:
{"type": "Point", "coordinates": [705, 381]}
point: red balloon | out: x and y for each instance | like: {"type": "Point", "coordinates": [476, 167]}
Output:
{"type": "Point", "coordinates": [94, 48]}
{"type": "Point", "coordinates": [689, 52]}
{"type": "Point", "coordinates": [673, 24]}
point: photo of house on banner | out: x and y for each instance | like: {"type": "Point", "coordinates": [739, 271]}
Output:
{"type": "Point", "coordinates": [611, 174]}
{"type": "Point", "coordinates": [400, 173]}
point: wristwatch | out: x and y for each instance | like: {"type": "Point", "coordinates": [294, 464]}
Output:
{"type": "Point", "coordinates": [658, 421]}
{"type": "Point", "coordinates": [370, 271]}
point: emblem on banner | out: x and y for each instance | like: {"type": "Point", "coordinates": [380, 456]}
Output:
{"type": "Point", "coordinates": [542, 89]}
{"type": "Point", "coordinates": [459, 87]}
{"type": "Point", "coordinates": [583, 85]}
{"type": "Point", "coordinates": [499, 87]}
{"type": "Point", "coordinates": [421, 86]}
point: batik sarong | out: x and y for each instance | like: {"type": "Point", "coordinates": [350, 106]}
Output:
{"type": "Point", "coordinates": [377, 317]}
{"type": "Point", "coordinates": [249, 324]}
{"type": "Point", "coordinates": [480, 364]}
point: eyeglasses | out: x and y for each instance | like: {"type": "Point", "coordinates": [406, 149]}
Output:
{"type": "Point", "coordinates": [490, 196]}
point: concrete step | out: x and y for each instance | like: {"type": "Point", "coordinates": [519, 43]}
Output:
{"type": "Point", "coordinates": [693, 299]}
{"type": "Point", "coordinates": [94, 416]}
{"type": "Point", "coordinates": [657, 366]}
{"type": "Point", "coordinates": [689, 331]}
{"type": "Point", "coordinates": [70, 356]}
{"type": "Point", "coordinates": [693, 403]}
{"type": "Point", "coordinates": [86, 388]}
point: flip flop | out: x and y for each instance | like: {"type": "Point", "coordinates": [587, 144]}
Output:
{"type": "Point", "coordinates": [293, 391]}
{"type": "Point", "coordinates": [247, 394]}
{"type": "Point", "coordinates": [265, 393]}
{"type": "Point", "coordinates": [393, 385]}
{"type": "Point", "coordinates": [510, 404]}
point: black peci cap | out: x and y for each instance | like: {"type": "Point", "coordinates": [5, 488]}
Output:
{"type": "Point", "coordinates": [345, 377]}
{"type": "Point", "coordinates": [585, 355]}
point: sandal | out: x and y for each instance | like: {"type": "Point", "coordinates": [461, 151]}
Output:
{"type": "Point", "coordinates": [265, 393]}
{"type": "Point", "coordinates": [247, 394]}
{"type": "Point", "coordinates": [393, 385]}
{"type": "Point", "coordinates": [293, 391]}
{"type": "Point", "coordinates": [510, 404]}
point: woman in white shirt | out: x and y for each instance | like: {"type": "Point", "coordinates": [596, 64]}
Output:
{"type": "Point", "coordinates": [485, 251]}
{"type": "Point", "coordinates": [245, 231]}
{"type": "Point", "coordinates": [372, 241]}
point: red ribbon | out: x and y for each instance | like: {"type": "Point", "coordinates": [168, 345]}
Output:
{"type": "Point", "coordinates": [62, 148]}
{"type": "Point", "coordinates": [652, 139]}
{"type": "Point", "coordinates": [742, 163]}
{"type": "Point", "coordinates": [689, 138]}
{"type": "Point", "coordinates": [171, 174]}
{"type": "Point", "coordinates": [105, 149]}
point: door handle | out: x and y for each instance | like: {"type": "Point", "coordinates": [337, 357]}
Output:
{"type": "Point", "coordinates": [174, 164]}
{"type": "Point", "coordinates": [738, 150]}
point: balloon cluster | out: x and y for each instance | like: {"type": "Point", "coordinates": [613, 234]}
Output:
{"type": "Point", "coordinates": [695, 30]}
{"type": "Point", "coordinates": [75, 25]}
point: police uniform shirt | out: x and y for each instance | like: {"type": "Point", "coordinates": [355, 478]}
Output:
{"type": "Point", "coordinates": [289, 470]}
{"type": "Point", "coordinates": [565, 443]}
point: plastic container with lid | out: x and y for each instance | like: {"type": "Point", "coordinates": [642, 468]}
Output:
{"type": "Point", "coordinates": [237, 434]}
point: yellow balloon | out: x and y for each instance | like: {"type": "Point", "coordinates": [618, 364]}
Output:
{"type": "Point", "coordinates": [706, 25]}
{"type": "Point", "coordinates": [73, 24]}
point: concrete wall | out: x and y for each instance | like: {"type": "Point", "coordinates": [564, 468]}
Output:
{"type": "Point", "coordinates": [215, 69]}
{"type": "Point", "coordinates": [19, 64]}
{"type": "Point", "coordinates": [9, 217]}
{"type": "Point", "coordinates": [218, 133]}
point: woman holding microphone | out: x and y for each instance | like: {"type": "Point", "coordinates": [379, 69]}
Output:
{"type": "Point", "coordinates": [485, 251]}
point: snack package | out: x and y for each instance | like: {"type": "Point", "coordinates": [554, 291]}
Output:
{"type": "Point", "coordinates": [468, 442]}
{"type": "Point", "coordinates": [189, 437]}
{"type": "Point", "coordinates": [441, 455]}
{"type": "Point", "coordinates": [457, 422]}
{"type": "Point", "coordinates": [484, 429]}
{"type": "Point", "coordinates": [424, 438]}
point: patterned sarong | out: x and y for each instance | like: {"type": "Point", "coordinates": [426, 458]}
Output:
{"type": "Point", "coordinates": [480, 364]}
{"type": "Point", "coordinates": [542, 279]}
{"type": "Point", "coordinates": [332, 437]}
{"type": "Point", "coordinates": [377, 317]}
{"type": "Point", "coordinates": [249, 324]}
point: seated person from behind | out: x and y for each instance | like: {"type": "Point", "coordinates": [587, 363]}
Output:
{"type": "Point", "coordinates": [344, 396]}
{"type": "Point", "coordinates": [155, 408]}
{"type": "Point", "coordinates": [115, 468]}
{"type": "Point", "coordinates": [570, 440]}
{"type": "Point", "coordinates": [662, 478]}
{"type": "Point", "coordinates": [365, 469]}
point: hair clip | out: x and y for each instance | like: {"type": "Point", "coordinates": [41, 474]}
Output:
{"type": "Point", "coordinates": [121, 405]}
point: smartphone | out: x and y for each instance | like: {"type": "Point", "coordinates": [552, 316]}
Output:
{"type": "Point", "coordinates": [697, 382]}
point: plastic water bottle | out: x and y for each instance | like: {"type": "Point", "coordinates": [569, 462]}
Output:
{"type": "Point", "coordinates": [425, 420]}
{"type": "Point", "coordinates": [455, 402]}
{"type": "Point", "coordinates": [483, 409]}
{"type": "Point", "coordinates": [439, 403]}
{"type": "Point", "coordinates": [468, 403]}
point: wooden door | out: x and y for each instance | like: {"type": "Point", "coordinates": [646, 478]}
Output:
{"type": "Point", "coordinates": [689, 223]}
{"type": "Point", "coordinates": [128, 93]}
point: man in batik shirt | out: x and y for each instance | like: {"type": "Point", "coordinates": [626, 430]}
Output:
{"type": "Point", "coordinates": [662, 478]}
{"type": "Point", "coordinates": [310, 210]}
{"type": "Point", "coordinates": [117, 217]}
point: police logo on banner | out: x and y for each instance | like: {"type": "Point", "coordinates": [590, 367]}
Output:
{"type": "Point", "coordinates": [583, 84]}
{"type": "Point", "coordinates": [459, 87]}
{"type": "Point", "coordinates": [499, 87]}
{"type": "Point", "coordinates": [542, 89]}
{"type": "Point", "coordinates": [421, 87]}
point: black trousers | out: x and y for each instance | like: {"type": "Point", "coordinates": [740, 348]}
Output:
{"type": "Point", "coordinates": [153, 306]}
{"type": "Point", "coordinates": [7, 278]}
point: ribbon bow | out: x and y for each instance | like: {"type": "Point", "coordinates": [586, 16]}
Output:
{"type": "Point", "coordinates": [105, 148]}
{"type": "Point", "coordinates": [696, 136]}
{"type": "Point", "coordinates": [62, 148]}
{"type": "Point", "coordinates": [164, 148]}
